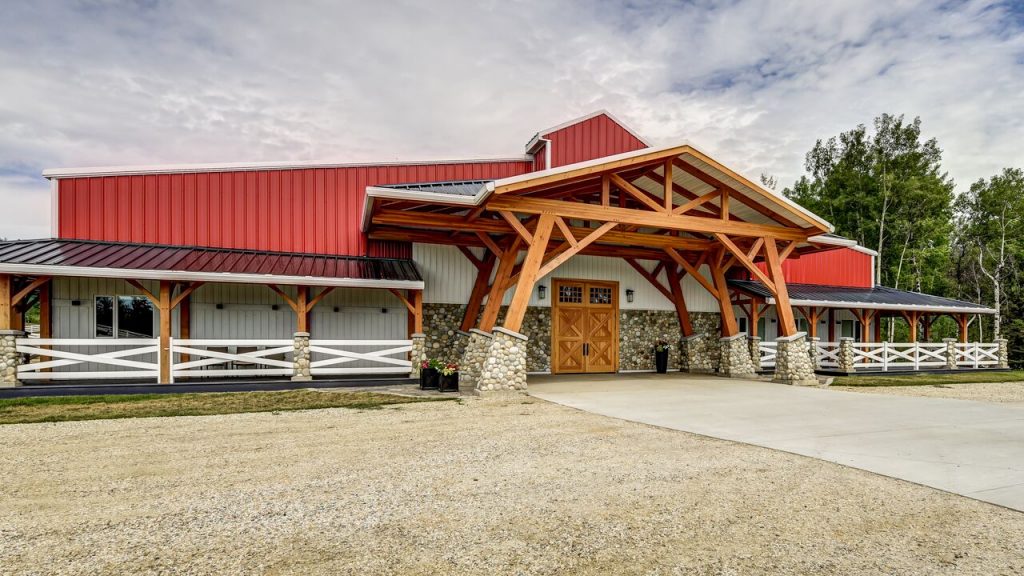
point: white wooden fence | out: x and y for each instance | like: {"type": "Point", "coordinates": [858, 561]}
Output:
{"type": "Point", "coordinates": [110, 358]}
{"type": "Point", "coordinates": [887, 356]}
{"type": "Point", "coordinates": [117, 358]}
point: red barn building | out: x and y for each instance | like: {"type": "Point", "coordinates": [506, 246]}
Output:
{"type": "Point", "coordinates": [583, 251]}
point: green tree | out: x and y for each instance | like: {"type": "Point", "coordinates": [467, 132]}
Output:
{"type": "Point", "coordinates": [990, 219]}
{"type": "Point", "coordinates": [886, 190]}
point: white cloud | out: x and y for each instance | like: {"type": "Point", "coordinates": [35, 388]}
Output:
{"type": "Point", "coordinates": [756, 83]}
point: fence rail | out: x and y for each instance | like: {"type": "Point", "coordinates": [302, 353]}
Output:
{"type": "Point", "coordinates": [232, 358]}
{"type": "Point", "coordinates": [330, 356]}
{"type": "Point", "coordinates": [887, 356]}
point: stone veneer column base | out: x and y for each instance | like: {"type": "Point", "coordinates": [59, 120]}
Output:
{"type": "Point", "coordinates": [473, 358]}
{"type": "Point", "coordinates": [418, 354]}
{"type": "Point", "coordinates": [691, 357]}
{"type": "Point", "coordinates": [735, 359]}
{"type": "Point", "coordinates": [504, 369]}
{"type": "Point", "coordinates": [301, 357]}
{"type": "Point", "coordinates": [845, 359]}
{"type": "Point", "coordinates": [950, 353]}
{"type": "Point", "coordinates": [1004, 353]}
{"type": "Point", "coordinates": [793, 361]}
{"type": "Point", "coordinates": [10, 358]}
{"type": "Point", "coordinates": [755, 351]}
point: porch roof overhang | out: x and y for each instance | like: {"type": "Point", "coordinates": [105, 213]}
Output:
{"type": "Point", "coordinates": [88, 258]}
{"type": "Point", "coordinates": [877, 298]}
{"type": "Point", "coordinates": [697, 175]}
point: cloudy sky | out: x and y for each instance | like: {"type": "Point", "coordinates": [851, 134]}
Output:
{"type": "Point", "coordinates": [755, 83]}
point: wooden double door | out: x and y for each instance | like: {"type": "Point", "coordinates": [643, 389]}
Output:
{"type": "Point", "coordinates": [584, 326]}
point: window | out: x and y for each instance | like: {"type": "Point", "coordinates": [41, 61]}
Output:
{"type": "Point", "coordinates": [801, 325]}
{"type": "Point", "coordinates": [742, 322]}
{"type": "Point", "coordinates": [847, 329]}
{"type": "Point", "coordinates": [104, 316]}
{"type": "Point", "coordinates": [761, 328]}
{"type": "Point", "coordinates": [132, 317]}
{"type": "Point", "coordinates": [600, 295]}
{"type": "Point", "coordinates": [570, 294]}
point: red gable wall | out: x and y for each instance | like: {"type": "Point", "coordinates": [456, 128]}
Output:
{"type": "Point", "coordinates": [840, 267]}
{"type": "Point", "coordinates": [592, 138]}
{"type": "Point", "coordinates": [315, 210]}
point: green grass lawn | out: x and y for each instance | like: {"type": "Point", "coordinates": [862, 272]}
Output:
{"type": "Point", "coordinates": [930, 379]}
{"type": "Point", "coordinates": [68, 408]}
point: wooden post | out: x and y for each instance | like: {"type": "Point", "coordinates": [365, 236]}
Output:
{"type": "Point", "coordinates": [877, 321]}
{"type": "Point", "coordinates": [185, 322]}
{"type": "Point", "coordinates": [476, 297]}
{"type": "Point", "coordinates": [787, 323]}
{"type": "Point", "coordinates": [729, 327]}
{"type": "Point", "coordinates": [506, 262]}
{"type": "Point", "coordinates": [755, 315]}
{"type": "Point", "coordinates": [301, 309]}
{"type": "Point", "coordinates": [5, 302]}
{"type": "Point", "coordinates": [912, 318]}
{"type": "Point", "coordinates": [164, 306]}
{"type": "Point", "coordinates": [676, 287]}
{"type": "Point", "coordinates": [962, 322]}
{"type": "Point", "coordinates": [528, 274]}
{"type": "Point", "coordinates": [416, 314]}
{"type": "Point", "coordinates": [927, 322]}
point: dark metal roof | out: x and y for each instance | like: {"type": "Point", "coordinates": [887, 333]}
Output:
{"type": "Point", "coordinates": [199, 260]}
{"type": "Point", "coordinates": [840, 296]}
{"type": "Point", "coordinates": [460, 187]}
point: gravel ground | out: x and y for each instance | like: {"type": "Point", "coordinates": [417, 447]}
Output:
{"type": "Point", "coordinates": [1006, 392]}
{"type": "Point", "coordinates": [478, 487]}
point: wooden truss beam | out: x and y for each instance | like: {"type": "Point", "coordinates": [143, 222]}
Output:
{"type": "Point", "coordinates": [530, 272]}
{"type": "Point", "coordinates": [787, 324]}
{"type": "Point", "coordinates": [651, 277]}
{"type": "Point", "coordinates": [729, 325]}
{"type": "Point", "coordinates": [643, 218]}
{"type": "Point", "coordinates": [480, 288]}
{"type": "Point", "coordinates": [675, 282]}
{"type": "Point", "coordinates": [506, 262]}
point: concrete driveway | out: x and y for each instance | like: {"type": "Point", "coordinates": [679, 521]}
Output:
{"type": "Point", "coordinates": [975, 449]}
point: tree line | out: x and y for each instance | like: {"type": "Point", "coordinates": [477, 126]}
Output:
{"type": "Point", "coordinates": [885, 188]}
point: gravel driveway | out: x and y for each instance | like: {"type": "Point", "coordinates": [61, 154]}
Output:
{"type": "Point", "coordinates": [520, 487]}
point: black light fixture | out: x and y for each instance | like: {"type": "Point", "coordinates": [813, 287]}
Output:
{"type": "Point", "coordinates": [383, 310]}
{"type": "Point", "coordinates": [629, 294]}
{"type": "Point", "coordinates": [273, 306]}
{"type": "Point", "coordinates": [220, 306]}
{"type": "Point", "coordinates": [336, 309]}
{"type": "Point", "coordinates": [542, 292]}
{"type": "Point", "coordinates": [76, 302]}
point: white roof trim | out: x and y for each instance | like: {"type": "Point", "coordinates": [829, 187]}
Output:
{"type": "Point", "coordinates": [844, 242]}
{"type": "Point", "coordinates": [594, 114]}
{"type": "Point", "coordinates": [407, 194]}
{"type": "Point", "coordinates": [644, 151]}
{"type": "Point", "coordinates": [248, 166]}
{"type": "Point", "coordinates": [875, 306]}
{"type": "Point", "coordinates": [124, 273]}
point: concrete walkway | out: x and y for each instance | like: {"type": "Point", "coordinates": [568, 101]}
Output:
{"type": "Point", "coordinates": [975, 449]}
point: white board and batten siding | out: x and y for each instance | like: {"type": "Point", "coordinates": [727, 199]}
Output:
{"type": "Point", "coordinates": [449, 278]}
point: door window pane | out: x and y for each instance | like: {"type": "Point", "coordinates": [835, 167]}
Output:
{"type": "Point", "coordinates": [570, 294]}
{"type": "Point", "coordinates": [134, 317]}
{"type": "Point", "coordinates": [599, 295]}
{"type": "Point", "coordinates": [104, 317]}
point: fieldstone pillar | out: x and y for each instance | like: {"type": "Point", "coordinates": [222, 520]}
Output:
{"type": "Point", "coordinates": [473, 358]}
{"type": "Point", "coordinates": [735, 359]}
{"type": "Point", "coordinates": [812, 350]}
{"type": "Point", "coordinates": [1004, 353]}
{"type": "Point", "coordinates": [755, 351]}
{"type": "Point", "coordinates": [10, 358]}
{"type": "Point", "coordinates": [301, 357]}
{"type": "Point", "coordinates": [793, 362]}
{"type": "Point", "coordinates": [950, 353]}
{"type": "Point", "coordinates": [418, 353]}
{"type": "Point", "coordinates": [461, 341]}
{"type": "Point", "coordinates": [694, 355]}
{"type": "Point", "coordinates": [845, 357]}
{"type": "Point", "coordinates": [504, 369]}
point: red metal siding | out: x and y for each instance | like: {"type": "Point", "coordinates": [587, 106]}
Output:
{"type": "Point", "coordinates": [315, 210]}
{"type": "Point", "coordinates": [592, 138]}
{"type": "Point", "coordinates": [840, 267]}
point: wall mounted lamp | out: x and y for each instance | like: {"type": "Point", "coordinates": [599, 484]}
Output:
{"type": "Point", "coordinates": [629, 294]}
{"type": "Point", "coordinates": [542, 292]}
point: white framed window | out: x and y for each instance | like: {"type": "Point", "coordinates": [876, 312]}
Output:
{"type": "Point", "coordinates": [124, 317]}
{"type": "Point", "coordinates": [742, 322]}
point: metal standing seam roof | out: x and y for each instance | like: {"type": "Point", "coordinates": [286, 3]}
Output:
{"type": "Point", "coordinates": [460, 187]}
{"type": "Point", "coordinates": [129, 260]}
{"type": "Point", "coordinates": [879, 297]}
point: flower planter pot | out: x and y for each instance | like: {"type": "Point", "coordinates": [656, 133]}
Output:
{"type": "Point", "coordinates": [429, 379]}
{"type": "Point", "coordinates": [661, 361]}
{"type": "Point", "coordinates": [449, 383]}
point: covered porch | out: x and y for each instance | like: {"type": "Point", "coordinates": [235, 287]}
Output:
{"type": "Point", "coordinates": [149, 313]}
{"type": "Point", "coordinates": [680, 219]}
